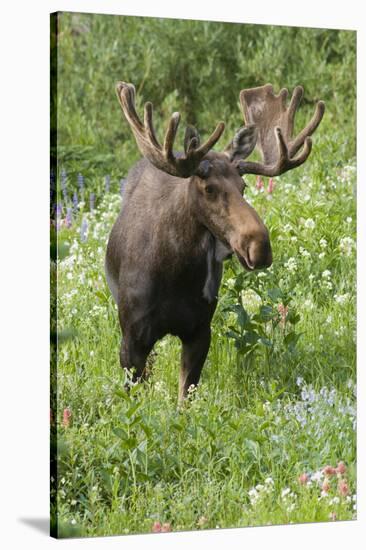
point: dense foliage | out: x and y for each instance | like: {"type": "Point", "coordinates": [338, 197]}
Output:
{"type": "Point", "coordinates": [269, 435]}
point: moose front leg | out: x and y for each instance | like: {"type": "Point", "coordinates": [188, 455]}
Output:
{"type": "Point", "coordinates": [133, 356]}
{"type": "Point", "coordinates": [194, 353]}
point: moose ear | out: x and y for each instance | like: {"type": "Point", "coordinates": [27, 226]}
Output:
{"type": "Point", "coordinates": [243, 143]}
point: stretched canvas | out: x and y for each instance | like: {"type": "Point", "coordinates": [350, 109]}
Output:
{"type": "Point", "coordinates": [203, 275]}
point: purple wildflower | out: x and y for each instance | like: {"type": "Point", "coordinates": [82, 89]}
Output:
{"type": "Point", "coordinates": [83, 230]}
{"type": "Point", "coordinates": [92, 201]}
{"type": "Point", "coordinates": [107, 181]}
{"type": "Point", "coordinates": [81, 182]}
{"type": "Point", "coordinates": [75, 201]}
{"type": "Point", "coordinates": [63, 184]}
{"type": "Point", "coordinates": [68, 219]}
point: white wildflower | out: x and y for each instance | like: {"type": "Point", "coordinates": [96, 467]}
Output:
{"type": "Point", "coordinates": [305, 253]}
{"type": "Point", "coordinates": [323, 243]}
{"type": "Point", "coordinates": [341, 298]}
{"type": "Point", "coordinates": [309, 223]}
{"type": "Point", "coordinates": [291, 265]}
{"type": "Point", "coordinates": [326, 274]}
{"type": "Point", "coordinates": [346, 245]}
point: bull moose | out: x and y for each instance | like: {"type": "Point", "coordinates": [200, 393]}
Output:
{"type": "Point", "coordinates": [183, 214]}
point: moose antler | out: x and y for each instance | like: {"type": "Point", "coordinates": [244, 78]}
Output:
{"type": "Point", "coordinates": [275, 124]}
{"type": "Point", "coordinates": [162, 156]}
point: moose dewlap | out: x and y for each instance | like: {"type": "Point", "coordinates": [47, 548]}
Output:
{"type": "Point", "coordinates": [183, 214]}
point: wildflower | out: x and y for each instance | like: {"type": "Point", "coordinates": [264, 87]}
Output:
{"type": "Point", "coordinates": [343, 488]}
{"type": "Point", "coordinates": [68, 219]}
{"type": "Point", "coordinates": [73, 522]}
{"type": "Point", "coordinates": [285, 492]}
{"type": "Point", "coordinates": [341, 468]}
{"type": "Point", "coordinates": [156, 528]}
{"type": "Point", "coordinates": [291, 265]}
{"type": "Point", "coordinates": [323, 243]}
{"type": "Point", "coordinates": [326, 486]}
{"type": "Point", "coordinates": [283, 311]}
{"type": "Point", "coordinates": [309, 223]}
{"type": "Point", "coordinates": [259, 183]}
{"type": "Point", "coordinates": [166, 528]}
{"type": "Point", "coordinates": [349, 219]}
{"type": "Point", "coordinates": [326, 274]}
{"type": "Point", "coordinates": [269, 481]}
{"type": "Point", "coordinates": [304, 253]}
{"type": "Point", "coordinates": [317, 476]}
{"type": "Point", "coordinates": [303, 478]}
{"type": "Point", "coordinates": [63, 184]}
{"type": "Point", "coordinates": [329, 471]}
{"type": "Point", "coordinates": [321, 255]}
{"type": "Point", "coordinates": [346, 245]}
{"type": "Point", "coordinates": [75, 201]}
{"type": "Point", "coordinates": [271, 185]}
{"type": "Point", "coordinates": [202, 521]}
{"type": "Point", "coordinates": [66, 418]}
{"type": "Point", "coordinates": [81, 182]}
{"type": "Point", "coordinates": [341, 298]}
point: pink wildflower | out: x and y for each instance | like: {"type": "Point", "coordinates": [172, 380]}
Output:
{"type": "Point", "coordinates": [343, 488]}
{"type": "Point", "coordinates": [329, 471]}
{"type": "Point", "coordinates": [283, 311]}
{"type": "Point", "coordinates": [341, 468]}
{"type": "Point", "coordinates": [66, 418]}
{"type": "Point", "coordinates": [303, 478]}
{"type": "Point", "coordinates": [166, 528]}
{"type": "Point", "coordinates": [259, 183]}
{"type": "Point", "coordinates": [326, 486]}
{"type": "Point", "coordinates": [271, 185]}
{"type": "Point", "coordinates": [156, 528]}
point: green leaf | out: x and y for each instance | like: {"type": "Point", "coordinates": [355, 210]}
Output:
{"type": "Point", "coordinates": [275, 294]}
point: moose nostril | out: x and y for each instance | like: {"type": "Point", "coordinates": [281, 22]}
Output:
{"type": "Point", "coordinates": [259, 254]}
{"type": "Point", "coordinates": [249, 260]}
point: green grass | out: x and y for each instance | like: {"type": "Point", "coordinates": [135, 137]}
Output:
{"type": "Point", "coordinates": [277, 394]}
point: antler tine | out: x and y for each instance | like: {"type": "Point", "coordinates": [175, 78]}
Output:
{"type": "Point", "coordinates": [148, 123]}
{"type": "Point", "coordinates": [275, 123]}
{"type": "Point", "coordinates": [163, 156]}
{"type": "Point", "coordinates": [170, 135]}
{"type": "Point", "coordinates": [203, 149]}
{"type": "Point", "coordinates": [309, 129]}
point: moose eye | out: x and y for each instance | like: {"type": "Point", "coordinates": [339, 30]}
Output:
{"type": "Point", "coordinates": [210, 189]}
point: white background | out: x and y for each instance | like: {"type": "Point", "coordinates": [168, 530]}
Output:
{"type": "Point", "coordinates": [24, 172]}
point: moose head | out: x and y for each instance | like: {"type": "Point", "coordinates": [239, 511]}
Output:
{"type": "Point", "coordinates": [184, 213]}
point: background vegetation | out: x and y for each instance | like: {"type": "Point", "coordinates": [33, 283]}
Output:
{"type": "Point", "coordinates": [277, 401]}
